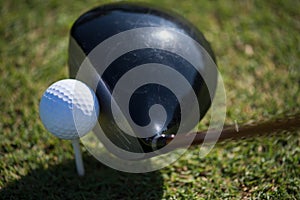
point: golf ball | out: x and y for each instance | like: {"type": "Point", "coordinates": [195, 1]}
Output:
{"type": "Point", "coordinates": [69, 109]}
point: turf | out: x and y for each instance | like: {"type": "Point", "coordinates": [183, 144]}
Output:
{"type": "Point", "coordinates": [257, 46]}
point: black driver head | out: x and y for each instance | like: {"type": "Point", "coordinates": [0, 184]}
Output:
{"type": "Point", "coordinates": [154, 38]}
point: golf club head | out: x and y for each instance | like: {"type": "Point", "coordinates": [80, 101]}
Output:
{"type": "Point", "coordinates": [118, 39]}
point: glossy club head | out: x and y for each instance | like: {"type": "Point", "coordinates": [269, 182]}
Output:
{"type": "Point", "coordinates": [99, 25]}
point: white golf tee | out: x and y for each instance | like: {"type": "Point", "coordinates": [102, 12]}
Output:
{"type": "Point", "coordinates": [78, 157]}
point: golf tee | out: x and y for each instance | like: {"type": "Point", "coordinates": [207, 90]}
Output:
{"type": "Point", "coordinates": [78, 157]}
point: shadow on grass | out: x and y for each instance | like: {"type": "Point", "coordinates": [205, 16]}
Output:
{"type": "Point", "coordinates": [100, 182]}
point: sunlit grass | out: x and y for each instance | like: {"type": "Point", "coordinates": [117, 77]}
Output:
{"type": "Point", "coordinates": [257, 48]}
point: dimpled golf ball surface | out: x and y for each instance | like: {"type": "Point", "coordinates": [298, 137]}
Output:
{"type": "Point", "coordinates": [69, 109]}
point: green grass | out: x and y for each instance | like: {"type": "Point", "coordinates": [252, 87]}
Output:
{"type": "Point", "coordinates": [257, 46]}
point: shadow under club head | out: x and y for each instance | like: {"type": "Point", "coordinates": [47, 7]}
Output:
{"type": "Point", "coordinates": [97, 26]}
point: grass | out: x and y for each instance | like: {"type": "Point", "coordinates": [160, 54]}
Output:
{"type": "Point", "coordinates": [257, 47]}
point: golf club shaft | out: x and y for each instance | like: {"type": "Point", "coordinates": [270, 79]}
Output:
{"type": "Point", "coordinates": [288, 123]}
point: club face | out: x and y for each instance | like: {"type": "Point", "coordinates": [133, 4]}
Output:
{"type": "Point", "coordinates": [96, 27]}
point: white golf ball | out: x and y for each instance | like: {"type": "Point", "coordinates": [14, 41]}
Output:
{"type": "Point", "coordinates": [69, 109]}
